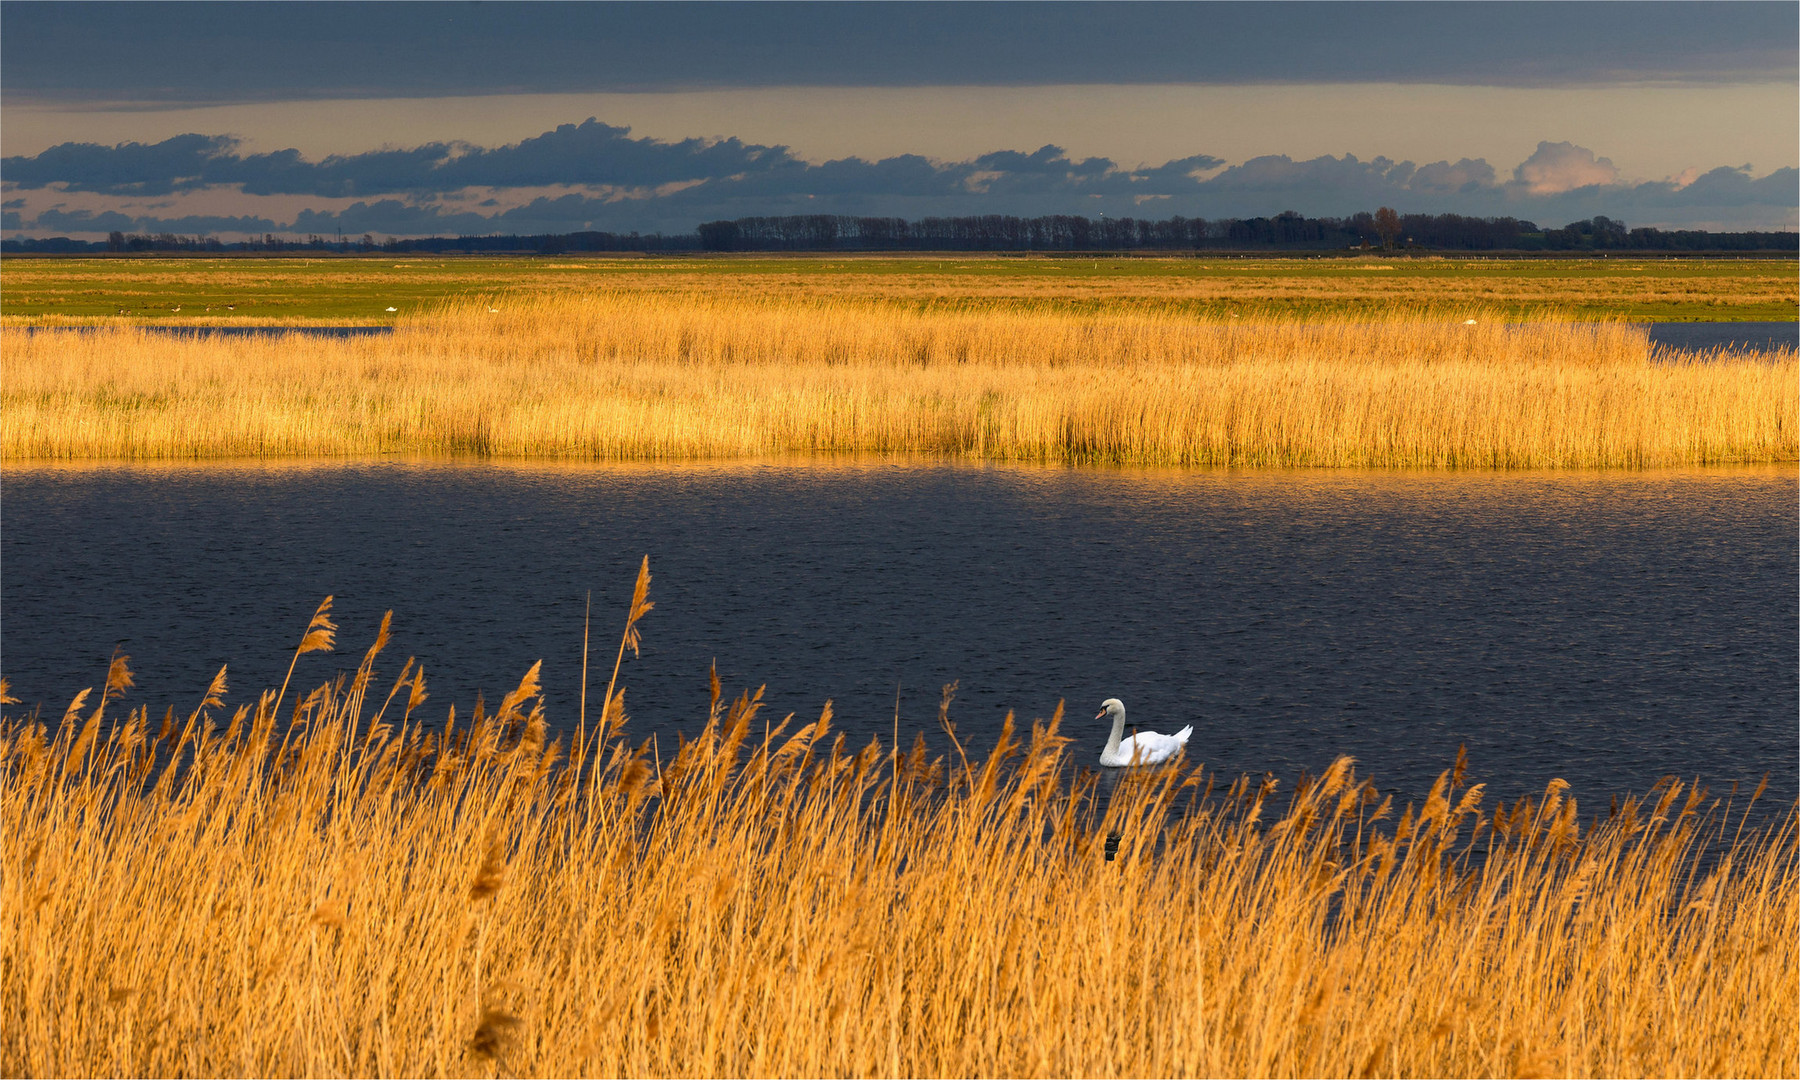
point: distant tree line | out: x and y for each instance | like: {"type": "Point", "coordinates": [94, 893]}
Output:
{"type": "Point", "coordinates": [544, 244]}
{"type": "Point", "coordinates": [1384, 229]}
{"type": "Point", "coordinates": [1286, 231]}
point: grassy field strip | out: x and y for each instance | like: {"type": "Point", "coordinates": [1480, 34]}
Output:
{"type": "Point", "coordinates": [347, 889]}
{"type": "Point", "coordinates": [360, 290]}
{"type": "Point", "coordinates": [625, 376]}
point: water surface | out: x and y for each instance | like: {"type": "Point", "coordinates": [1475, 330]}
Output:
{"type": "Point", "coordinates": [1752, 336]}
{"type": "Point", "coordinates": [178, 330]}
{"type": "Point", "coordinates": [1603, 627]}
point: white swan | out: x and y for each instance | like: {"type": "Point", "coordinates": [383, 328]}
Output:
{"type": "Point", "coordinates": [1144, 748]}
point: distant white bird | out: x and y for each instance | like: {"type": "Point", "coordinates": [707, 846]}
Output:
{"type": "Point", "coordinates": [1468, 322]}
{"type": "Point", "coordinates": [393, 309]}
{"type": "Point", "coordinates": [1144, 748]}
{"type": "Point", "coordinates": [493, 311]}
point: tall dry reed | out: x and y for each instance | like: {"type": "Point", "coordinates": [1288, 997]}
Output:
{"type": "Point", "coordinates": [633, 376]}
{"type": "Point", "coordinates": [349, 889]}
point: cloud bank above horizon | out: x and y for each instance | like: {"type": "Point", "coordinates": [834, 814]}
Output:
{"type": "Point", "coordinates": [597, 176]}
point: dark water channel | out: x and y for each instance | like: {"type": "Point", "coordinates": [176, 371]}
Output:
{"type": "Point", "coordinates": [1755, 336]}
{"type": "Point", "coordinates": [1606, 627]}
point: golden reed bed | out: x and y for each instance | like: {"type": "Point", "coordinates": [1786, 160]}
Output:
{"type": "Point", "coordinates": [634, 376]}
{"type": "Point", "coordinates": [348, 889]}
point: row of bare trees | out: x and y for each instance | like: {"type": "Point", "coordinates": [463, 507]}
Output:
{"type": "Point", "coordinates": [1385, 229]}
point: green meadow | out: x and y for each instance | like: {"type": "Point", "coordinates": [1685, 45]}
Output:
{"type": "Point", "coordinates": [360, 290]}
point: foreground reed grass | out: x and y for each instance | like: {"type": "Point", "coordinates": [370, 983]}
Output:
{"type": "Point", "coordinates": [349, 890]}
{"type": "Point", "coordinates": [633, 376]}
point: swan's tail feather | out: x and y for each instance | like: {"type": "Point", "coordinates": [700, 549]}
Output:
{"type": "Point", "coordinates": [1181, 737]}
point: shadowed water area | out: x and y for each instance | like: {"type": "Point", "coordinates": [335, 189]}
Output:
{"type": "Point", "coordinates": [1604, 627]}
{"type": "Point", "coordinates": [1750, 336]}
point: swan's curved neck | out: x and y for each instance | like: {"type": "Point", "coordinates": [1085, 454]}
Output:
{"type": "Point", "coordinates": [1118, 731]}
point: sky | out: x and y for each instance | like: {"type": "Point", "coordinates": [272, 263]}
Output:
{"type": "Point", "coordinates": [234, 119]}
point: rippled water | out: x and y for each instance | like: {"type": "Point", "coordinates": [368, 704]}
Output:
{"type": "Point", "coordinates": [1604, 627]}
{"type": "Point", "coordinates": [1757, 336]}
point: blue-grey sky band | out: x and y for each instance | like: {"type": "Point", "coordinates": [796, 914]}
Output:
{"type": "Point", "coordinates": [203, 52]}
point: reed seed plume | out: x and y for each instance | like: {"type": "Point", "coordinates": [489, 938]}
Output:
{"type": "Point", "coordinates": [75, 704]}
{"type": "Point", "coordinates": [322, 893]}
{"type": "Point", "coordinates": [214, 698]}
{"type": "Point", "coordinates": [416, 696]}
{"type": "Point", "coordinates": [492, 1034]}
{"type": "Point", "coordinates": [320, 631]}
{"type": "Point", "coordinates": [118, 678]}
{"type": "Point", "coordinates": [641, 604]}
{"type": "Point", "coordinates": [491, 875]}
{"type": "Point", "coordinates": [319, 637]}
{"type": "Point", "coordinates": [382, 637]}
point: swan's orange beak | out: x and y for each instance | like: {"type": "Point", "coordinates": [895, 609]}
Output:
{"type": "Point", "coordinates": [1101, 715]}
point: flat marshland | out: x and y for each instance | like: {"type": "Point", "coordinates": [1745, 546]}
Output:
{"type": "Point", "coordinates": [354, 879]}
{"type": "Point", "coordinates": [350, 889]}
{"type": "Point", "coordinates": [359, 291]}
{"type": "Point", "coordinates": [609, 375]}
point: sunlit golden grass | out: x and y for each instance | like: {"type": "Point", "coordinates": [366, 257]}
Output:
{"type": "Point", "coordinates": [635, 376]}
{"type": "Point", "coordinates": [349, 889]}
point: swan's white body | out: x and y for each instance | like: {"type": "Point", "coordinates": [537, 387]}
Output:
{"type": "Point", "coordinates": [1144, 748]}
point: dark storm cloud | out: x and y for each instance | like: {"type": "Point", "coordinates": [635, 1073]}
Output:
{"type": "Point", "coordinates": [625, 184]}
{"type": "Point", "coordinates": [1173, 176]}
{"type": "Point", "coordinates": [1734, 187]}
{"type": "Point", "coordinates": [198, 52]}
{"type": "Point", "coordinates": [81, 221]}
{"type": "Point", "coordinates": [1558, 182]}
{"type": "Point", "coordinates": [596, 153]}
{"type": "Point", "coordinates": [129, 168]}
{"type": "Point", "coordinates": [1048, 161]}
{"type": "Point", "coordinates": [587, 153]}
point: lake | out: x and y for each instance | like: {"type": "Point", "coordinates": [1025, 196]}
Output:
{"type": "Point", "coordinates": [1604, 627]}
